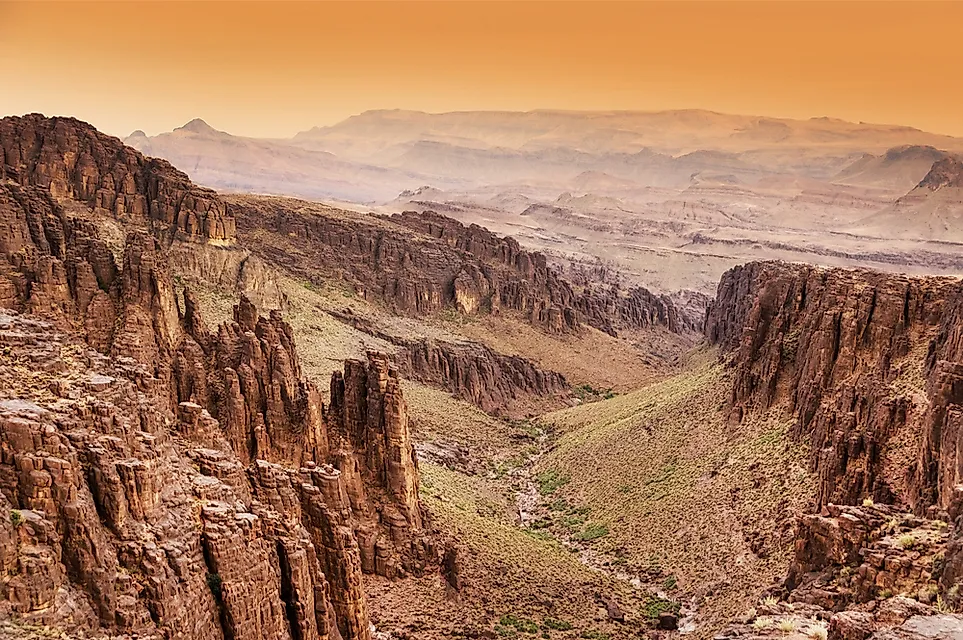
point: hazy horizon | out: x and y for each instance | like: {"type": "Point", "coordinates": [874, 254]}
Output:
{"type": "Point", "coordinates": [264, 70]}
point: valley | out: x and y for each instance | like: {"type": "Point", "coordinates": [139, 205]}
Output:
{"type": "Point", "coordinates": [236, 416]}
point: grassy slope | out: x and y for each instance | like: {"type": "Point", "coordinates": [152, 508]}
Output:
{"type": "Point", "coordinates": [682, 488]}
{"type": "Point", "coordinates": [506, 572]}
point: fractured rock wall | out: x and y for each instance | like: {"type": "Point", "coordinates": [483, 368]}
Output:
{"type": "Point", "coordinates": [423, 263]}
{"type": "Point", "coordinates": [163, 480]}
{"type": "Point", "coordinates": [72, 160]}
{"type": "Point", "coordinates": [867, 364]}
{"type": "Point", "coordinates": [495, 382]}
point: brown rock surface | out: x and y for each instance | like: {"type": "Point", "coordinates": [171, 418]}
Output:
{"type": "Point", "coordinates": [72, 160]}
{"type": "Point", "coordinates": [858, 573]}
{"type": "Point", "coordinates": [495, 382]}
{"type": "Point", "coordinates": [102, 477]}
{"type": "Point", "coordinates": [158, 479]}
{"type": "Point", "coordinates": [420, 264]}
{"type": "Point", "coordinates": [844, 350]}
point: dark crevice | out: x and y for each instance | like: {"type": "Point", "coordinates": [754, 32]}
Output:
{"type": "Point", "coordinates": [214, 583]}
{"type": "Point", "coordinates": [287, 594]}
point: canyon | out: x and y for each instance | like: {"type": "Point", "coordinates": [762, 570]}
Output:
{"type": "Point", "coordinates": [508, 442]}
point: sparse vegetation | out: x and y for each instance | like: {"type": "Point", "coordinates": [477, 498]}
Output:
{"type": "Point", "coordinates": [654, 607]}
{"type": "Point", "coordinates": [592, 531]}
{"type": "Point", "coordinates": [787, 625]}
{"type": "Point", "coordinates": [214, 583]}
{"type": "Point", "coordinates": [523, 625]}
{"type": "Point", "coordinates": [818, 631]}
{"type": "Point", "coordinates": [550, 481]}
{"type": "Point", "coordinates": [16, 518]}
{"type": "Point", "coordinates": [761, 623]}
{"type": "Point", "coordinates": [907, 541]}
{"type": "Point", "coordinates": [868, 502]}
{"type": "Point", "coordinates": [557, 625]}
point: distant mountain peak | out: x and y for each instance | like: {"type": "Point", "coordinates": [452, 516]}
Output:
{"type": "Point", "coordinates": [197, 126]}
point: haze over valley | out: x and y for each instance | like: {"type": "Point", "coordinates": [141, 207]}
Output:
{"type": "Point", "coordinates": [633, 320]}
{"type": "Point", "coordinates": [672, 199]}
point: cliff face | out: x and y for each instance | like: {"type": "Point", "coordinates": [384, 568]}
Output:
{"type": "Point", "coordinates": [870, 367]}
{"type": "Point", "coordinates": [495, 382]}
{"type": "Point", "coordinates": [846, 351]}
{"type": "Point", "coordinates": [71, 159]}
{"type": "Point", "coordinates": [945, 173]}
{"type": "Point", "coordinates": [158, 478]}
{"type": "Point", "coordinates": [422, 263]}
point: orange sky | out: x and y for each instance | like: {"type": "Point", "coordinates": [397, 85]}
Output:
{"type": "Point", "coordinates": [271, 69]}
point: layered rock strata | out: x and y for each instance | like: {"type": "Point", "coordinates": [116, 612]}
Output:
{"type": "Point", "coordinates": [160, 479]}
{"type": "Point", "coordinates": [420, 264]}
{"type": "Point", "coordinates": [846, 352]}
{"type": "Point", "coordinates": [72, 160]}
{"type": "Point", "coordinates": [494, 382]}
{"type": "Point", "coordinates": [863, 573]}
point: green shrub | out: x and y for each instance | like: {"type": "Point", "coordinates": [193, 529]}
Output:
{"type": "Point", "coordinates": [522, 624]}
{"type": "Point", "coordinates": [556, 624]}
{"type": "Point", "coordinates": [16, 518]}
{"type": "Point", "coordinates": [214, 582]}
{"type": "Point", "coordinates": [550, 481]}
{"type": "Point", "coordinates": [654, 607]}
{"type": "Point", "coordinates": [592, 531]}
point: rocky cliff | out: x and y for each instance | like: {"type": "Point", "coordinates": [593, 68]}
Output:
{"type": "Point", "coordinates": [867, 364]}
{"type": "Point", "coordinates": [861, 573]}
{"type": "Point", "coordinates": [494, 382]}
{"type": "Point", "coordinates": [73, 160]}
{"type": "Point", "coordinates": [932, 211]}
{"type": "Point", "coordinates": [420, 264]}
{"type": "Point", "coordinates": [160, 478]}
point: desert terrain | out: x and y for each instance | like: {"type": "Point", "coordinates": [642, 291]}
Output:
{"type": "Point", "coordinates": [481, 375]}
{"type": "Point", "coordinates": [668, 199]}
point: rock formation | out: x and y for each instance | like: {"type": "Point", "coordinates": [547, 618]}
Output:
{"type": "Point", "coordinates": [933, 210]}
{"type": "Point", "coordinates": [845, 351]}
{"type": "Point", "coordinates": [420, 264]}
{"type": "Point", "coordinates": [869, 572]}
{"type": "Point", "coordinates": [869, 364]}
{"type": "Point", "coordinates": [159, 479]}
{"type": "Point", "coordinates": [72, 160]}
{"type": "Point", "coordinates": [494, 382]}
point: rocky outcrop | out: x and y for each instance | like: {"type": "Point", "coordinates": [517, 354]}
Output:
{"type": "Point", "coordinates": [862, 572]}
{"type": "Point", "coordinates": [945, 173]}
{"type": "Point", "coordinates": [228, 269]}
{"type": "Point", "coordinates": [494, 382]}
{"type": "Point", "coordinates": [932, 211]}
{"type": "Point", "coordinates": [72, 160]}
{"type": "Point", "coordinates": [159, 479]}
{"type": "Point", "coordinates": [125, 507]}
{"type": "Point", "coordinates": [870, 366]}
{"type": "Point", "coordinates": [940, 463]}
{"type": "Point", "coordinates": [844, 350]}
{"type": "Point", "coordinates": [420, 264]}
